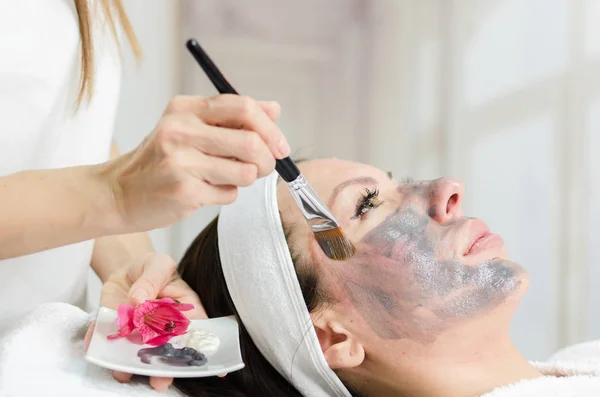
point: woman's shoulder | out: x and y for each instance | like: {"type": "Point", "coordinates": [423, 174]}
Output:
{"type": "Point", "coordinates": [40, 45]}
{"type": "Point", "coordinates": [36, 35]}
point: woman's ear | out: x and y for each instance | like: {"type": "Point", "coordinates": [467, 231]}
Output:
{"type": "Point", "coordinates": [340, 346]}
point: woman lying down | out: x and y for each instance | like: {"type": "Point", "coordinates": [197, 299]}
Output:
{"type": "Point", "coordinates": [422, 309]}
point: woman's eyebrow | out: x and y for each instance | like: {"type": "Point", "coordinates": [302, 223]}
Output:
{"type": "Point", "coordinates": [362, 180]}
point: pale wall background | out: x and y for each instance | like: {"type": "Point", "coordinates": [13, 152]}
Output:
{"type": "Point", "coordinates": [502, 94]}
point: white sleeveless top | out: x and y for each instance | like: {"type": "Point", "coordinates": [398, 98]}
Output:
{"type": "Point", "coordinates": [39, 129]}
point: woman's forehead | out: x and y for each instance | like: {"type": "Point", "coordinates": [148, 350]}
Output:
{"type": "Point", "coordinates": [332, 167]}
{"type": "Point", "coordinates": [325, 176]}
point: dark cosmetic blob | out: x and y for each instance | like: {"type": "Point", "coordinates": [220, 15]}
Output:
{"type": "Point", "coordinates": [167, 354]}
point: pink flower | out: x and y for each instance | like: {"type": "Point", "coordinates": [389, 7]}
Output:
{"type": "Point", "coordinates": [156, 320]}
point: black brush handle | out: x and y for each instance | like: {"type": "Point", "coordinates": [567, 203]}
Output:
{"type": "Point", "coordinates": [285, 167]}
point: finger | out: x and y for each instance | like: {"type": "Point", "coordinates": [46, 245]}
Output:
{"type": "Point", "coordinates": [199, 193]}
{"type": "Point", "coordinates": [215, 195]}
{"type": "Point", "coordinates": [150, 276]}
{"type": "Point", "coordinates": [121, 377]}
{"type": "Point", "coordinates": [115, 289]}
{"type": "Point", "coordinates": [220, 171]}
{"type": "Point", "coordinates": [222, 375]}
{"type": "Point", "coordinates": [160, 384]}
{"type": "Point", "coordinates": [272, 109]}
{"type": "Point", "coordinates": [246, 146]}
{"type": "Point", "coordinates": [192, 104]}
{"type": "Point", "coordinates": [239, 112]}
{"type": "Point", "coordinates": [88, 336]}
{"type": "Point", "coordinates": [181, 291]}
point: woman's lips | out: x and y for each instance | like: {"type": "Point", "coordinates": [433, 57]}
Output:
{"type": "Point", "coordinates": [483, 240]}
{"type": "Point", "coordinates": [486, 242]}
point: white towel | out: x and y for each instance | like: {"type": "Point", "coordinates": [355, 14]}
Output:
{"type": "Point", "coordinates": [571, 372]}
{"type": "Point", "coordinates": [263, 285]}
{"type": "Point", "coordinates": [43, 356]}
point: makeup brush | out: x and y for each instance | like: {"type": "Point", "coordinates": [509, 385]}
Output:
{"type": "Point", "coordinates": [326, 229]}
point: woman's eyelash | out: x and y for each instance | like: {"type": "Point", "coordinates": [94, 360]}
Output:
{"type": "Point", "coordinates": [367, 202]}
{"type": "Point", "coordinates": [408, 180]}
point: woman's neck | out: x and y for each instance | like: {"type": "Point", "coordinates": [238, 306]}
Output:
{"type": "Point", "coordinates": [445, 372]}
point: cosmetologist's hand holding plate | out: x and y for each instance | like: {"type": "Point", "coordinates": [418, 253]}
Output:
{"type": "Point", "coordinates": [122, 354]}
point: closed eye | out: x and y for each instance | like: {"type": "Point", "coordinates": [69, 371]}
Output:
{"type": "Point", "coordinates": [367, 202]}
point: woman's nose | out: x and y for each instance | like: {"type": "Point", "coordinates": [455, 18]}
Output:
{"type": "Point", "coordinates": [445, 197]}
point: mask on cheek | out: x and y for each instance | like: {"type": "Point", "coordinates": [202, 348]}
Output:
{"type": "Point", "coordinates": [403, 290]}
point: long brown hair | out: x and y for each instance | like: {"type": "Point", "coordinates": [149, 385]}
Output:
{"type": "Point", "coordinates": [115, 13]}
{"type": "Point", "coordinates": [201, 269]}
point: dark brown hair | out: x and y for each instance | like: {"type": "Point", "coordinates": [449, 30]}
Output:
{"type": "Point", "coordinates": [114, 11]}
{"type": "Point", "coordinates": [201, 269]}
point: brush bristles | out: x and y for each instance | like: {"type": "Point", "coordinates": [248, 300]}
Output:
{"type": "Point", "coordinates": [335, 244]}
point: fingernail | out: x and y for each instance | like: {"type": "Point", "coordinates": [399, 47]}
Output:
{"type": "Point", "coordinates": [139, 296]}
{"type": "Point", "coordinates": [284, 148]}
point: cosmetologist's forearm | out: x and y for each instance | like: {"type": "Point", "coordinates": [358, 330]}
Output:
{"type": "Point", "coordinates": [45, 209]}
{"type": "Point", "coordinates": [112, 253]}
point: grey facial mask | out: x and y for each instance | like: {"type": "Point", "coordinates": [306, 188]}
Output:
{"type": "Point", "coordinates": [398, 283]}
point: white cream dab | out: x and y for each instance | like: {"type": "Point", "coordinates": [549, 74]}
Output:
{"type": "Point", "coordinates": [202, 340]}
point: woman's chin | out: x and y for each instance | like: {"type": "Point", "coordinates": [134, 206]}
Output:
{"type": "Point", "coordinates": [519, 292]}
{"type": "Point", "coordinates": [504, 255]}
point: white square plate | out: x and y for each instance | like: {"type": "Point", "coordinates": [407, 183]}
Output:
{"type": "Point", "coordinates": [121, 354]}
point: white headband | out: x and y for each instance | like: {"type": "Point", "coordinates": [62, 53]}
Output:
{"type": "Point", "coordinates": [264, 287]}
